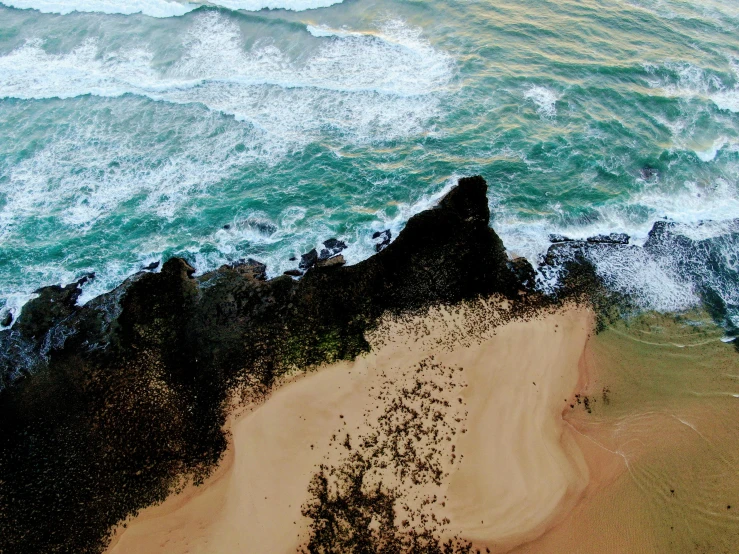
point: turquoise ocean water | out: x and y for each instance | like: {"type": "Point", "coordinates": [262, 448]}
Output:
{"type": "Point", "coordinates": [130, 137]}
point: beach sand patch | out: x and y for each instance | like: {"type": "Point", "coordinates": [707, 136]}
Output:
{"type": "Point", "coordinates": [424, 441]}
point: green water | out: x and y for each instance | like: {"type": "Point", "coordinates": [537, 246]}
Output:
{"type": "Point", "coordinates": [125, 139]}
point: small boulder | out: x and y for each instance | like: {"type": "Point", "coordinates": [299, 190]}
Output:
{"type": "Point", "coordinates": [308, 260]}
{"type": "Point", "coordinates": [294, 272]}
{"type": "Point", "coordinates": [335, 261]}
{"type": "Point", "coordinates": [331, 248]}
{"type": "Point", "coordinates": [382, 239]}
{"type": "Point", "coordinates": [151, 267]}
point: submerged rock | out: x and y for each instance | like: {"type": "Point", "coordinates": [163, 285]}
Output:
{"type": "Point", "coordinates": [648, 173]}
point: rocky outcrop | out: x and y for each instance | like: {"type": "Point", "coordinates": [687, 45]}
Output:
{"type": "Point", "coordinates": [106, 405]}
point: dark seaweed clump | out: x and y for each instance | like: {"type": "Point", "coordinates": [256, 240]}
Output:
{"type": "Point", "coordinates": [105, 408]}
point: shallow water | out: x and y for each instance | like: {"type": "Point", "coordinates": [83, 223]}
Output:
{"type": "Point", "coordinates": [664, 398]}
{"type": "Point", "coordinates": [128, 138]}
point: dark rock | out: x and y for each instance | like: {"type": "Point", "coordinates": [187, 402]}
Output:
{"type": "Point", "coordinates": [658, 233]}
{"type": "Point", "coordinates": [613, 238]}
{"type": "Point", "coordinates": [330, 262]}
{"type": "Point", "coordinates": [524, 272]}
{"type": "Point", "coordinates": [7, 319]}
{"type": "Point", "coordinates": [292, 258]}
{"type": "Point", "coordinates": [54, 304]}
{"type": "Point", "coordinates": [560, 252]}
{"type": "Point", "coordinates": [382, 239]}
{"type": "Point", "coordinates": [227, 226]}
{"type": "Point", "coordinates": [332, 247]}
{"type": "Point", "coordinates": [308, 260]}
{"type": "Point", "coordinates": [151, 267]}
{"type": "Point", "coordinates": [554, 237]}
{"type": "Point", "coordinates": [293, 273]}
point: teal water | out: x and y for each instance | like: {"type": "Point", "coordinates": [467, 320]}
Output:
{"type": "Point", "coordinates": [125, 138]}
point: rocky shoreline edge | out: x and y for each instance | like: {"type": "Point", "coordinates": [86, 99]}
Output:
{"type": "Point", "coordinates": [105, 407]}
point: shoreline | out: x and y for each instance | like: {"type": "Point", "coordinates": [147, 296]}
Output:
{"type": "Point", "coordinates": [228, 512]}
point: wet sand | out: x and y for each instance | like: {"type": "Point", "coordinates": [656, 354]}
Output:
{"type": "Point", "coordinates": [465, 428]}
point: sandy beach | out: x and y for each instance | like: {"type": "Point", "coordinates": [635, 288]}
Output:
{"type": "Point", "coordinates": [485, 456]}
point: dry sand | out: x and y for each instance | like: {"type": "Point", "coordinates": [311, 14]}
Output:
{"type": "Point", "coordinates": [501, 466]}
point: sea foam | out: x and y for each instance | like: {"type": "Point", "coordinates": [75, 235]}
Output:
{"type": "Point", "coordinates": [544, 98]}
{"type": "Point", "coordinates": [366, 86]}
{"type": "Point", "coordinates": [223, 107]}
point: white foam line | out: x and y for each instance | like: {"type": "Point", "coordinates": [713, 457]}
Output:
{"type": "Point", "coordinates": [256, 5]}
{"type": "Point", "coordinates": [153, 8]}
{"type": "Point", "coordinates": [383, 85]}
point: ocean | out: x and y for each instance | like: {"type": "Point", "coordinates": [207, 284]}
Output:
{"type": "Point", "coordinates": [134, 131]}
